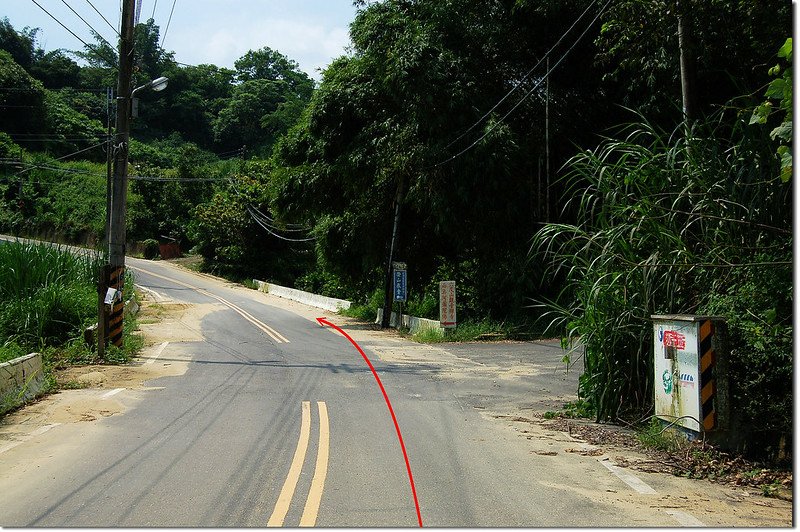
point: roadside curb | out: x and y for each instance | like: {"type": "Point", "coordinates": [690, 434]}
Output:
{"type": "Point", "coordinates": [412, 323]}
{"type": "Point", "coordinates": [307, 298]}
{"type": "Point", "coordinates": [21, 379]}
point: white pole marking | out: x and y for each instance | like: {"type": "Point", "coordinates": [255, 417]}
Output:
{"type": "Point", "coordinates": [634, 482]}
{"type": "Point", "coordinates": [685, 519]}
{"type": "Point", "coordinates": [159, 350]}
{"type": "Point", "coordinates": [112, 393]}
{"type": "Point", "coordinates": [37, 432]}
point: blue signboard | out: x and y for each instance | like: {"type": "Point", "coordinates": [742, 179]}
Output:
{"type": "Point", "coordinates": [400, 285]}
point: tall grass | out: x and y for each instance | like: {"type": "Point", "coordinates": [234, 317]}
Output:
{"type": "Point", "coordinates": [47, 294]}
{"type": "Point", "coordinates": [675, 223]}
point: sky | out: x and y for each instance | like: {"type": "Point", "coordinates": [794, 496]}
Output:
{"type": "Point", "coordinates": [311, 32]}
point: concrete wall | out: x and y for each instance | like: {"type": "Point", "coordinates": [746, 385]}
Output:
{"type": "Point", "coordinates": [411, 323]}
{"type": "Point", "coordinates": [21, 378]}
{"type": "Point", "coordinates": [328, 303]}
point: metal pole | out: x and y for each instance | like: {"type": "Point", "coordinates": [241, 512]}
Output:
{"type": "Point", "coordinates": [119, 187]}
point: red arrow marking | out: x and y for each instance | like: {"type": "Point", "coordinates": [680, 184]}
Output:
{"type": "Point", "coordinates": [324, 322]}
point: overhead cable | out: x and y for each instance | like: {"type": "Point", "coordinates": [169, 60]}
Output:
{"type": "Point", "coordinates": [269, 221]}
{"type": "Point", "coordinates": [84, 21]}
{"type": "Point", "coordinates": [525, 97]}
{"type": "Point", "coordinates": [164, 38]}
{"type": "Point", "coordinates": [268, 230]}
{"type": "Point", "coordinates": [60, 23]}
{"type": "Point", "coordinates": [297, 227]}
{"type": "Point", "coordinates": [525, 77]}
{"type": "Point", "coordinates": [175, 179]}
{"type": "Point", "coordinates": [69, 30]}
{"type": "Point", "coordinates": [104, 18]}
{"type": "Point", "coordinates": [65, 156]}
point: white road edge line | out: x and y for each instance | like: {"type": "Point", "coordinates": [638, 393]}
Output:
{"type": "Point", "coordinates": [634, 482]}
{"type": "Point", "coordinates": [685, 519]}
{"type": "Point", "coordinates": [37, 432]}
{"type": "Point", "coordinates": [289, 486]}
{"type": "Point", "coordinates": [160, 349]}
{"type": "Point", "coordinates": [112, 393]}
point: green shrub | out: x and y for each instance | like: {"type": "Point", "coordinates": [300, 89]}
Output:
{"type": "Point", "coordinates": [11, 350]}
{"type": "Point", "coordinates": [150, 249]}
{"type": "Point", "coordinates": [686, 223]}
{"type": "Point", "coordinates": [367, 310]}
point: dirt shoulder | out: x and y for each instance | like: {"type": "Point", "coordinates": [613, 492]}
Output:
{"type": "Point", "coordinates": [90, 393]}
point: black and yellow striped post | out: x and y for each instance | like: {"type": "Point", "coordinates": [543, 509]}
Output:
{"type": "Point", "coordinates": [116, 280]}
{"type": "Point", "coordinates": [708, 361]}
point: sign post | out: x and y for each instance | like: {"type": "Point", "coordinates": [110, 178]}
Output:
{"type": "Point", "coordinates": [447, 304]}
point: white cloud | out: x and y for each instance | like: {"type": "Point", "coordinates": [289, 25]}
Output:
{"type": "Point", "coordinates": [313, 44]}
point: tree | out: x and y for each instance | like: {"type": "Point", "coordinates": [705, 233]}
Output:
{"type": "Point", "coordinates": [639, 50]}
{"type": "Point", "coordinates": [387, 128]}
{"type": "Point", "coordinates": [21, 99]}
{"type": "Point", "coordinates": [243, 120]}
{"type": "Point", "coordinates": [272, 65]}
{"type": "Point", "coordinates": [20, 44]}
{"type": "Point", "coordinates": [56, 70]}
{"type": "Point", "coordinates": [151, 59]}
{"type": "Point", "coordinates": [267, 101]}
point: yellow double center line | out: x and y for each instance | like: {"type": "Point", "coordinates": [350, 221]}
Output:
{"type": "Point", "coordinates": [311, 509]}
{"type": "Point", "coordinates": [263, 327]}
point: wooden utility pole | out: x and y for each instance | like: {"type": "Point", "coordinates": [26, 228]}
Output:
{"type": "Point", "coordinates": [119, 185]}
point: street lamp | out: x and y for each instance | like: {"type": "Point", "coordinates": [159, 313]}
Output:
{"type": "Point", "coordinates": [115, 271]}
{"type": "Point", "coordinates": [158, 84]}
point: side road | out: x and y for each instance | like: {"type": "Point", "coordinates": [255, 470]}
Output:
{"type": "Point", "coordinates": [510, 384]}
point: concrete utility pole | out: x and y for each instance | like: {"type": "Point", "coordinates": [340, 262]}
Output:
{"type": "Point", "coordinates": [387, 297]}
{"type": "Point", "coordinates": [119, 186]}
{"type": "Point", "coordinates": [688, 64]}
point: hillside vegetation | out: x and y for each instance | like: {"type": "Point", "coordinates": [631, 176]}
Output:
{"type": "Point", "coordinates": [574, 202]}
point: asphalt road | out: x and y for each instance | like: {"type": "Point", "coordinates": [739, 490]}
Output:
{"type": "Point", "coordinates": [279, 421]}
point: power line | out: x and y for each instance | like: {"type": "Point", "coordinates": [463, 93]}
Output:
{"type": "Point", "coordinates": [270, 222]}
{"type": "Point", "coordinates": [84, 21]}
{"type": "Point", "coordinates": [525, 77]}
{"type": "Point", "coordinates": [60, 23]}
{"type": "Point", "coordinates": [153, 16]}
{"type": "Point", "coordinates": [164, 38]}
{"type": "Point", "coordinates": [264, 216]}
{"type": "Point", "coordinates": [33, 167]}
{"type": "Point", "coordinates": [266, 222]}
{"type": "Point", "coordinates": [104, 18]}
{"type": "Point", "coordinates": [175, 179]}
{"type": "Point", "coordinates": [268, 230]}
{"type": "Point", "coordinates": [69, 30]}
{"type": "Point", "coordinates": [525, 97]}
